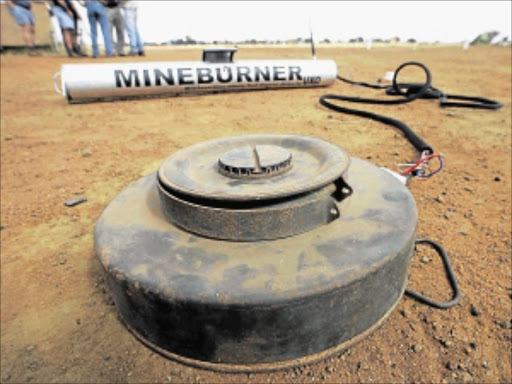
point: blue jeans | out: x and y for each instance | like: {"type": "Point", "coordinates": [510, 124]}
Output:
{"type": "Point", "coordinates": [96, 13]}
{"type": "Point", "coordinates": [130, 19]}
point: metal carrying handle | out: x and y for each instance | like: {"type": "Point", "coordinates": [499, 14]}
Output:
{"type": "Point", "coordinates": [449, 274]}
{"type": "Point", "coordinates": [55, 83]}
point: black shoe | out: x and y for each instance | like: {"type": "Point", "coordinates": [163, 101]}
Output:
{"type": "Point", "coordinates": [79, 52]}
{"type": "Point", "coordinates": [141, 53]}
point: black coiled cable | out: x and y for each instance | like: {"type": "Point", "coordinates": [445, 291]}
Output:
{"type": "Point", "coordinates": [409, 92]}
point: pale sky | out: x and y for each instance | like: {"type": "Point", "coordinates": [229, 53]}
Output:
{"type": "Point", "coordinates": [445, 21]}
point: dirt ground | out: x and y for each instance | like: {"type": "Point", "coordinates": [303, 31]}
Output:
{"type": "Point", "coordinates": [58, 321]}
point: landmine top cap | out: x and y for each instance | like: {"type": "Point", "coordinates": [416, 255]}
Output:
{"type": "Point", "coordinates": [253, 167]}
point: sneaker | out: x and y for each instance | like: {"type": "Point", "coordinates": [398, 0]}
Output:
{"type": "Point", "coordinates": [141, 53]}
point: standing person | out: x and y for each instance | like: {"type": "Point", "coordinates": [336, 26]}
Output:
{"type": "Point", "coordinates": [22, 12]}
{"type": "Point", "coordinates": [130, 17]}
{"type": "Point", "coordinates": [97, 14]}
{"type": "Point", "coordinates": [116, 20]}
{"type": "Point", "coordinates": [76, 18]}
{"type": "Point", "coordinates": [67, 24]}
{"type": "Point", "coordinates": [68, 20]}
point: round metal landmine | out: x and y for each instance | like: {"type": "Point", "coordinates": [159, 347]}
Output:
{"type": "Point", "coordinates": [262, 305]}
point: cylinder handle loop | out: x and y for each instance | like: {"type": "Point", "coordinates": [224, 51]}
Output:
{"type": "Point", "coordinates": [56, 85]}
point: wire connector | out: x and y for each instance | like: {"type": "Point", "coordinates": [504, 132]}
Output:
{"type": "Point", "coordinates": [422, 168]}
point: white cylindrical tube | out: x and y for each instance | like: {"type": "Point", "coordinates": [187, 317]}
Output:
{"type": "Point", "coordinates": [95, 82]}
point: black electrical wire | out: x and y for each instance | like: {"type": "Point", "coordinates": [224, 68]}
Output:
{"type": "Point", "coordinates": [410, 92]}
{"type": "Point", "coordinates": [475, 102]}
{"type": "Point", "coordinates": [449, 274]}
{"type": "Point", "coordinates": [413, 138]}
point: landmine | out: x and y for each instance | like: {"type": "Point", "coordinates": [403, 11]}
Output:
{"type": "Point", "coordinates": [257, 252]}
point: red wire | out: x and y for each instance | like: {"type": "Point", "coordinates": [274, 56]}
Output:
{"type": "Point", "coordinates": [420, 161]}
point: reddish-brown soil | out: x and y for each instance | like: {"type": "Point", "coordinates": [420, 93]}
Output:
{"type": "Point", "coordinates": [58, 321]}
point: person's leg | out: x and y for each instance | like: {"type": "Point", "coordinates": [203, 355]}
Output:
{"type": "Point", "coordinates": [32, 35]}
{"type": "Point", "coordinates": [110, 20]}
{"type": "Point", "coordinates": [25, 19]}
{"type": "Point", "coordinates": [28, 36]}
{"type": "Point", "coordinates": [119, 22]}
{"type": "Point", "coordinates": [74, 35]}
{"type": "Point", "coordinates": [68, 50]}
{"type": "Point", "coordinates": [68, 41]}
{"type": "Point", "coordinates": [74, 32]}
{"type": "Point", "coordinates": [131, 29]}
{"type": "Point", "coordinates": [102, 18]}
{"type": "Point", "coordinates": [140, 45]}
{"type": "Point", "coordinates": [67, 25]}
{"type": "Point", "coordinates": [94, 37]}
